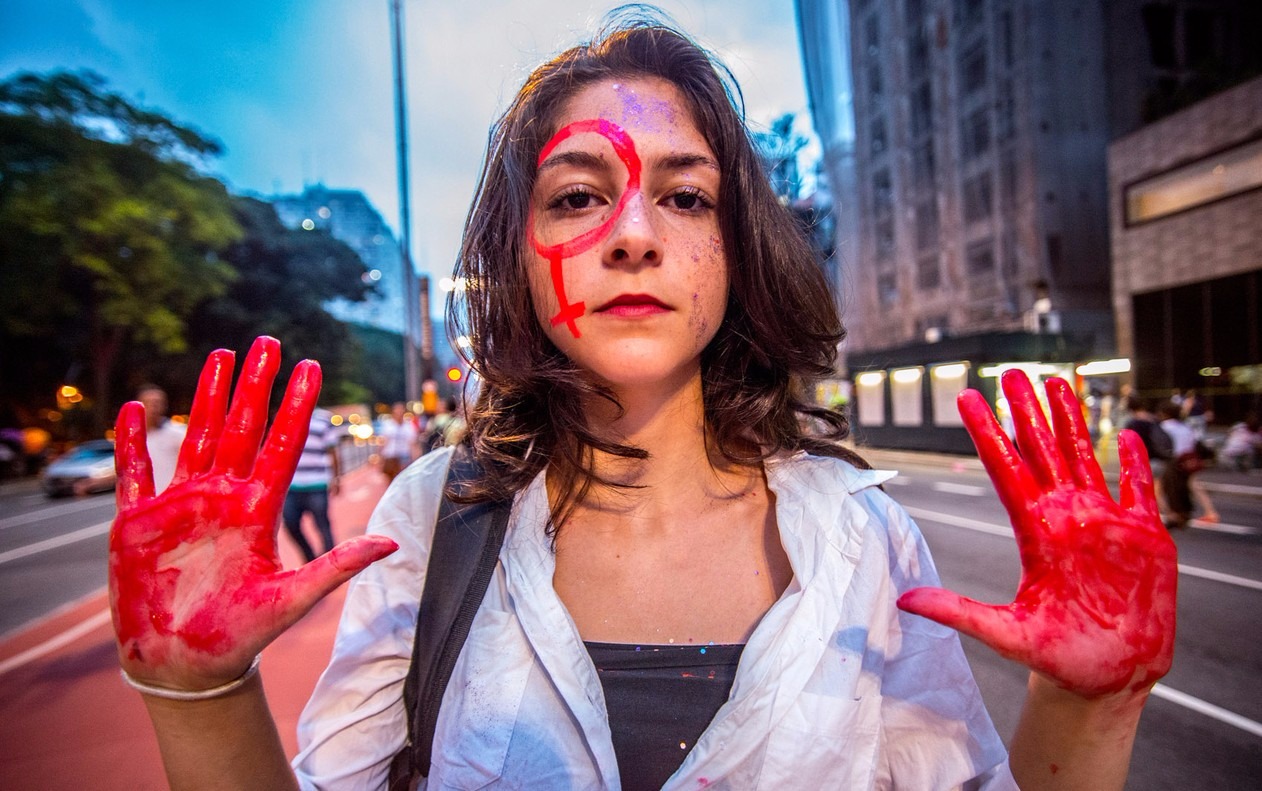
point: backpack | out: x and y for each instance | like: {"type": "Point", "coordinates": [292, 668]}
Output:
{"type": "Point", "coordinates": [462, 558]}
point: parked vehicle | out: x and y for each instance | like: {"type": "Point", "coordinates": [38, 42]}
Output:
{"type": "Point", "coordinates": [85, 469]}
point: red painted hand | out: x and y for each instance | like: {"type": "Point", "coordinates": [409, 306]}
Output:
{"type": "Point", "coordinates": [1095, 608]}
{"type": "Point", "coordinates": [196, 586]}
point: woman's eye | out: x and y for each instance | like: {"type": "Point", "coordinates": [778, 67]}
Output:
{"type": "Point", "coordinates": [574, 200]}
{"type": "Point", "coordinates": [690, 200]}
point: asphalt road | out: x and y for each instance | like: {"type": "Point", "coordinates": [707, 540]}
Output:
{"type": "Point", "coordinates": [1203, 727]}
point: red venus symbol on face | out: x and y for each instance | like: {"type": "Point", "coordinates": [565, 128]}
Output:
{"type": "Point", "coordinates": [567, 312]}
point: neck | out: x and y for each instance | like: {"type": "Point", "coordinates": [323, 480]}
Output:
{"type": "Point", "coordinates": [668, 422]}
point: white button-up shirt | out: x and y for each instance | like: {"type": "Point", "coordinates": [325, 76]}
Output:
{"type": "Point", "coordinates": [836, 688]}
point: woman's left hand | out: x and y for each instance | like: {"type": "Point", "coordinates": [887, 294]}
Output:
{"type": "Point", "coordinates": [1095, 608]}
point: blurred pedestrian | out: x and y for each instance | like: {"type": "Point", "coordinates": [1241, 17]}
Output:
{"type": "Point", "coordinates": [316, 479]}
{"type": "Point", "coordinates": [1196, 414]}
{"type": "Point", "coordinates": [1243, 446]}
{"type": "Point", "coordinates": [400, 437]}
{"type": "Point", "coordinates": [163, 435]}
{"type": "Point", "coordinates": [446, 428]}
{"type": "Point", "coordinates": [1178, 481]}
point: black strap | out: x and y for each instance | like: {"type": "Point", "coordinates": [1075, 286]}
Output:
{"type": "Point", "coordinates": [462, 558]}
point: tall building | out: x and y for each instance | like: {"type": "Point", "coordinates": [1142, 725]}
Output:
{"type": "Point", "coordinates": [1186, 205]}
{"type": "Point", "coordinates": [349, 217]}
{"type": "Point", "coordinates": [980, 161]}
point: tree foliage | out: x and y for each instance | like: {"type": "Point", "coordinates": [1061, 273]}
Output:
{"type": "Point", "coordinates": [109, 234]}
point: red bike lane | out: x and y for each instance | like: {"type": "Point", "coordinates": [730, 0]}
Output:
{"type": "Point", "coordinates": [67, 721]}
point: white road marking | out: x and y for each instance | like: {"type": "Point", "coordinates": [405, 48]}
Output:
{"type": "Point", "coordinates": [1006, 532]}
{"type": "Point", "coordinates": [53, 643]}
{"type": "Point", "coordinates": [50, 512]}
{"type": "Point", "coordinates": [54, 543]}
{"type": "Point", "coordinates": [1206, 708]}
{"type": "Point", "coordinates": [1221, 527]}
{"type": "Point", "coordinates": [960, 488]}
{"type": "Point", "coordinates": [1160, 690]}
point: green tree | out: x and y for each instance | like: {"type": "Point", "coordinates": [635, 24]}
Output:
{"type": "Point", "coordinates": [284, 278]}
{"type": "Point", "coordinates": [109, 233]}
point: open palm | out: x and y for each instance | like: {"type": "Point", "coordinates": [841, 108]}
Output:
{"type": "Point", "coordinates": [196, 584]}
{"type": "Point", "coordinates": [1095, 608]}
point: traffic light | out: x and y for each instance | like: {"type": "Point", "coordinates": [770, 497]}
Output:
{"type": "Point", "coordinates": [454, 374]}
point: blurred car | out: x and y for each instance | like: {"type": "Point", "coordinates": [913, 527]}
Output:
{"type": "Point", "coordinates": [86, 468]}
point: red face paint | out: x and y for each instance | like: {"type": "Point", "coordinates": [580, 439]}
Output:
{"type": "Point", "coordinates": [1095, 608]}
{"type": "Point", "coordinates": [196, 585]}
{"type": "Point", "coordinates": [623, 146]}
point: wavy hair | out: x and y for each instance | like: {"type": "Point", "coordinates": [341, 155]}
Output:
{"type": "Point", "coordinates": [780, 329]}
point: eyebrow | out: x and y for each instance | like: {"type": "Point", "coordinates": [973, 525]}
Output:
{"type": "Point", "coordinates": [586, 160]}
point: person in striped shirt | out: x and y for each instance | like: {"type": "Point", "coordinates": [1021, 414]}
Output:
{"type": "Point", "coordinates": [315, 480]}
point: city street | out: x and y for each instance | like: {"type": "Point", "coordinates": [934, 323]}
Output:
{"type": "Point", "coordinates": [68, 722]}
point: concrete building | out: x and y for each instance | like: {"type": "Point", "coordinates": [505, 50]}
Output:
{"type": "Point", "coordinates": [349, 217]}
{"type": "Point", "coordinates": [1185, 210]}
{"type": "Point", "coordinates": [981, 132]}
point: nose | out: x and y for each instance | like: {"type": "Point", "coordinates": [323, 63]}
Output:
{"type": "Point", "coordinates": [633, 241]}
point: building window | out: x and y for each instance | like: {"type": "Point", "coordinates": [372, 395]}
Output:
{"type": "Point", "coordinates": [1005, 38]}
{"type": "Point", "coordinates": [922, 168]}
{"type": "Point", "coordinates": [975, 134]}
{"type": "Point", "coordinates": [1008, 180]}
{"type": "Point", "coordinates": [869, 389]}
{"type": "Point", "coordinates": [879, 143]}
{"type": "Point", "coordinates": [1159, 22]}
{"type": "Point", "coordinates": [980, 259]}
{"type": "Point", "coordinates": [872, 34]}
{"type": "Point", "coordinates": [885, 238]}
{"type": "Point", "coordinates": [977, 203]}
{"type": "Point", "coordinates": [973, 69]}
{"type": "Point", "coordinates": [907, 396]}
{"type": "Point", "coordinates": [882, 193]}
{"type": "Point", "coordinates": [927, 225]}
{"type": "Point", "coordinates": [1206, 180]}
{"type": "Point", "coordinates": [876, 87]}
{"type": "Point", "coordinates": [921, 109]}
{"type": "Point", "coordinates": [946, 382]}
{"type": "Point", "coordinates": [970, 13]}
{"type": "Point", "coordinates": [1005, 112]}
{"type": "Point", "coordinates": [887, 289]}
{"type": "Point", "coordinates": [928, 273]}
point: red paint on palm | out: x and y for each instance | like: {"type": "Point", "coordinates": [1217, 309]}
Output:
{"type": "Point", "coordinates": [196, 585]}
{"type": "Point", "coordinates": [624, 147]}
{"type": "Point", "coordinates": [1095, 608]}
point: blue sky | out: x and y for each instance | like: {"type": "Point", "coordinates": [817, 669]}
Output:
{"type": "Point", "coordinates": [300, 91]}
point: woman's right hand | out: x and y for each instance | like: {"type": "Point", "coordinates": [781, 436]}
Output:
{"type": "Point", "coordinates": [196, 585]}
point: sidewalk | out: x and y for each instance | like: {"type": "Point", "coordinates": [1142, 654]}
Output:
{"type": "Point", "coordinates": [68, 722]}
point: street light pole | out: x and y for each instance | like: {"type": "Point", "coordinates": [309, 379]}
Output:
{"type": "Point", "coordinates": [411, 301]}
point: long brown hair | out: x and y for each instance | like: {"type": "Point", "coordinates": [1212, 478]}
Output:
{"type": "Point", "coordinates": [779, 332]}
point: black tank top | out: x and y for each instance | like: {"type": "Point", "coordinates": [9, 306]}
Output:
{"type": "Point", "coordinates": [660, 698]}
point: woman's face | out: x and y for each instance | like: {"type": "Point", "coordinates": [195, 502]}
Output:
{"type": "Point", "coordinates": [627, 268]}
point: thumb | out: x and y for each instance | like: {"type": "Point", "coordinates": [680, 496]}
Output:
{"type": "Point", "coordinates": [318, 578]}
{"type": "Point", "coordinates": [996, 626]}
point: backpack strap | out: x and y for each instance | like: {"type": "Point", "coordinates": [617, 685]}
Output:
{"type": "Point", "coordinates": [462, 558]}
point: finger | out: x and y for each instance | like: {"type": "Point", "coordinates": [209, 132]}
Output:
{"type": "Point", "coordinates": [1015, 485]}
{"type": "Point", "coordinates": [994, 625]}
{"type": "Point", "coordinates": [279, 457]}
{"type": "Point", "coordinates": [299, 592]}
{"type": "Point", "coordinates": [247, 418]}
{"type": "Point", "coordinates": [1072, 436]}
{"type": "Point", "coordinates": [1135, 485]}
{"type": "Point", "coordinates": [205, 421]}
{"type": "Point", "coordinates": [131, 457]}
{"type": "Point", "coordinates": [1038, 447]}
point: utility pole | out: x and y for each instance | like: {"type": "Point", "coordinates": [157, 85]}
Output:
{"type": "Point", "coordinates": [411, 297]}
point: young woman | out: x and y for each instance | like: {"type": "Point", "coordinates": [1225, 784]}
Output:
{"type": "Point", "coordinates": [699, 587]}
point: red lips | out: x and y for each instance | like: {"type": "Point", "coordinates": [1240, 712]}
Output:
{"type": "Point", "coordinates": [646, 302]}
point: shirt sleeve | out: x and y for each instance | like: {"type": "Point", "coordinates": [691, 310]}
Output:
{"type": "Point", "coordinates": [936, 732]}
{"type": "Point", "coordinates": [355, 723]}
